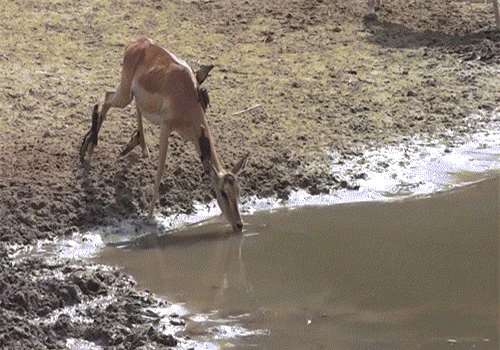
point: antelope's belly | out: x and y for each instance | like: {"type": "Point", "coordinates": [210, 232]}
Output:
{"type": "Point", "coordinates": [154, 107]}
{"type": "Point", "coordinates": [154, 118]}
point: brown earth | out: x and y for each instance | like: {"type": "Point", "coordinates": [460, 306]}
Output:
{"type": "Point", "coordinates": [320, 79]}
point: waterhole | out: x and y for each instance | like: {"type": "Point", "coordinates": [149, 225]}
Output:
{"type": "Point", "coordinates": [404, 274]}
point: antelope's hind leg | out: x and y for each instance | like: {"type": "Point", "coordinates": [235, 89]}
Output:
{"type": "Point", "coordinates": [90, 138]}
{"type": "Point", "coordinates": [120, 99]}
{"type": "Point", "coordinates": [138, 138]}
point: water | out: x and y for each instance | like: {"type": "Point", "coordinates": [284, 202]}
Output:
{"type": "Point", "coordinates": [405, 274]}
{"type": "Point", "coordinates": [409, 261]}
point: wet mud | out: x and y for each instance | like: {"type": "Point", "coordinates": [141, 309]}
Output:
{"type": "Point", "coordinates": [320, 79]}
{"type": "Point", "coordinates": [46, 304]}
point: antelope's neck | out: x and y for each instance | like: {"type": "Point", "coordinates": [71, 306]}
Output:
{"type": "Point", "coordinates": [214, 157]}
{"type": "Point", "coordinates": [206, 148]}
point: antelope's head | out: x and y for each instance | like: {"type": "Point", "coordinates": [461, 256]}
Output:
{"type": "Point", "coordinates": [225, 184]}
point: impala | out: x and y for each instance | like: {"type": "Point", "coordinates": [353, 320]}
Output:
{"type": "Point", "coordinates": [169, 94]}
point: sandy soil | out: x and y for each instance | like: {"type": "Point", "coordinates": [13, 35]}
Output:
{"type": "Point", "coordinates": [322, 78]}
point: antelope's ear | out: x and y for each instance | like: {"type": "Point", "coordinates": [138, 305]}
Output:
{"type": "Point", "coordinates": [241, 164]}
{"type": "Point", "coordinates": [202, 73]}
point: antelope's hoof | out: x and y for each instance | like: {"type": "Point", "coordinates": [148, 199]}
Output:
{"type": "Point", "coordinates": [84, 149]}
{"type": "Point", "coordinates": [150, 219]}
{"type": "Point", "coordinates": [145, 152]}
{"type": "Point", "coordinates": [134, 141]}
{"type": "Point", "coordinates": [370, 17]}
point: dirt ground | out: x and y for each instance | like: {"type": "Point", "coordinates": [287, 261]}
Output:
{"type": "Point", "coordinates": [314, 75]}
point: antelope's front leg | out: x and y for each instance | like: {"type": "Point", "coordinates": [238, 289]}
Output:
{"type": "Point", "coordinates": [90, 138]}
{"type": "Point", "coordinates": [162, 157]}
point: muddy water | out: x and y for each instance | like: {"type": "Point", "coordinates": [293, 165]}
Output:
{"type": "Point", "coordinates": [418, 273]}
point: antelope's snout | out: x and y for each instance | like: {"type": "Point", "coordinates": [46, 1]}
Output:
{"type": "Point", "coordinates": [232, 215]}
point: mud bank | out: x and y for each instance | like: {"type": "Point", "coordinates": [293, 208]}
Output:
{"type": "Point", "coordinates": [360, 84]}
{"type": "Point", "coordinates": [324, 80]}
{"type": "Point", "coordinates": [66, 303]}
{"type": "Point", "coordinates": [415, 166]}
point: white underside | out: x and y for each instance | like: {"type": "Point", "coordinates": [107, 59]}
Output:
{"type": "Point", "coordinates": [148, 102]}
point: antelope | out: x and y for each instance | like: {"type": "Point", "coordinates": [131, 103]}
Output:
{"type": "Point", "coordinates": [169, 94]}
